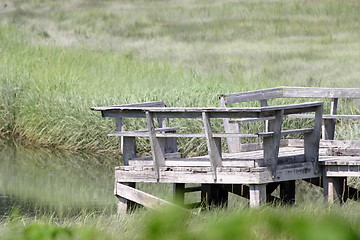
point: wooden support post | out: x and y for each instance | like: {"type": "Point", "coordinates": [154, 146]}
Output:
{"type": "Point", "coordinates": [213, 144]}
{"type": "Point", "coordinates": [213, 195]}
{"type": "Point", "coordinates": [269, 124]}
{"type": "Point", "coordinates": [157, 146]}
{"type": "Point", "coordinates": [312, 140]}
{"type": "Point", "coordinates": [124, 205]}
{"type": "Point", "coordinates": [179, 193]}
{"type": "Point", "coordinates": [287, 192]}
{"type": "Point", "coordinates": [119, 127]}
{"type": "Point", "coordinates": [129, 149]}
{"type": "Point", "coordinates": [257, 194]}
{"type": "Point", "coordinates": [272, 144]}
{"type": "Point", "coordinates": [234, 143]}
{"type": "Point", "coordinates": [335, 189]}
{"type": "Point", "coordinates": [329, 124]}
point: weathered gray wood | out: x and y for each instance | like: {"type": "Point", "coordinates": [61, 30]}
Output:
{"type": "Point", "coordinates": [306, 92]}
{"type": "Point", "coordinates": [143, 104]}
{"type": "Point", "coordinates": [291, 92]}
{"type": "Point", "coordinates": [328, 127]}
{"type": "Point", "coordinates": [309, 116]}
{"type": "Point", "coordinates": [127, 133]}
{"type": "Point", "coordinates": [252, 95]}
{"type": "Point", "coordinates": [124, 205]}
{"type": "Point", "coordinates": [272, 144]}
{"type": "Point", "coordinates": [286, 132]}
{"type": "Point", "coordinates": [119, 127]}
{"type": "Point", "coordinates": [329, 124]}
{"type": "Point", "coordinates": [343, 151]}
{"type": "Point", "coordinates": [157, 147]}
{"type": "Point", "coordinates": [213, 144]}
{"type": "Point", "coordinates": [312, 140]}
{"type": "Point", "coordinates": [234, 143]}
{"type": "Point", "coordinates": [225, 175]}
{"type": "Point", "coordinates": [140, 197]}
{"type": "Point", "coordinates": [129, 149]}
{"type": "Point", "coordinates": [268, 124]}
{"type": "Point", "coordinates": [257, 195]}
{"type": "Point", "coordinates": [327, 143]}
{"type": "Point", "coordinates": [335, 189]}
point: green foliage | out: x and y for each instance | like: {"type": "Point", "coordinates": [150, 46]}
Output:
{"type": "Point", "coordinates": [45, 231]}
{"type": "Point", "coordinates": [264, 223]}
{"type": "Point", "coordinates": [68, 56]}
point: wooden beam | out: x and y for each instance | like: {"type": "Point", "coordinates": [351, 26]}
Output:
{"type": "Point", "coordinates": [257, 195]}
{"type": "Point", "coordinates": [312, 140]}
{"type": "Point", "coordinates": [213, 144]}
{"type": "Point", "coordinates": [272, 144]}
{"type": "Point", "coordinates": [335, 189]}
{"type": "Point", "coordinates": [140, 197]}
{"type": "Point", "coordinates": [119, 127]}
{"type": "Point", "coordinates": [157, 147]}
{"type": "Point", "coordinates": [234, 143]}
{"type": "Point", "coordinates": [129, 149]}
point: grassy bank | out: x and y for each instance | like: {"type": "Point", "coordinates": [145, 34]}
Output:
{"type": "Point", "coordinates": [59, 59]}
{"type": "Point", "coordinates": [299, 223]}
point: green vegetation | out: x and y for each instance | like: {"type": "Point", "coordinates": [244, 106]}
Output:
{"type": "Point", "coordinates": [298, 223]}
{"type": "Point", "coordinates": [57, 59]}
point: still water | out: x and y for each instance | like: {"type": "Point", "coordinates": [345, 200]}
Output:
{"type": "Point", "coordinates": [36, 182]}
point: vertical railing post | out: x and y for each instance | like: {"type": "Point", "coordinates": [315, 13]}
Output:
{"type": "Point", "coordinates": [234, 143]}
{"type": "Point", "coordinates": [312, 140]}
{"type": "Point", "coordinates": [272, 144]}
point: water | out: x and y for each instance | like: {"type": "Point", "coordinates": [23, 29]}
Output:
{"type": "Point", "coordinates": [40, 182]}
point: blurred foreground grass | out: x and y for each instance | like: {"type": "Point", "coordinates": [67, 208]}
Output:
{"type": "Point", "coordinates": [302, 222]}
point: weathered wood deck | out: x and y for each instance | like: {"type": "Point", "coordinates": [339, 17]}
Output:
{"type": "Point", "coordinates": [267, 162]}
{"type": "Point", "coordinates": [340, 159]}
{"type": "Point", "coordinates": [252, 170]}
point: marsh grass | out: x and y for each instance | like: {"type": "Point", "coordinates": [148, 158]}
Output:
{"type": "Point", "coordinates": [311, 221]}
{"type": "Point", "coordinates": [59, 59]}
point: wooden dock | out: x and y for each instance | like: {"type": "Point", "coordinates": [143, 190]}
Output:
{"type": "Point", "coordinates": [251, 170]}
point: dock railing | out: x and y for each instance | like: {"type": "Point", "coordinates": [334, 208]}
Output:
{"type": "Point", "coordinates": [167, 166]}
{"type": "Point", "coordinates": [263, 95]}
{"type": "Point", "coordinates": [271, 139]}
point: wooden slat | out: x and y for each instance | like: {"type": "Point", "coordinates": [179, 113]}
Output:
{"type": "Point", "coordinates": [226, 175]}
{"type": "Point", "coordinates": [337, 151]}
{"type": "Point", "coordinates": [252, 95]}
{"type": "Point", "coordinates": [143, 104]}
{"type": "Point", "coordinates": [327, 143]}
{"type": "Point", "coordinates": [307, 116]}
{"type": "Point", "coordinates": [308, 92]}
{"type": "Point", "coordinates": [291, 92]}
{"type": "Point", "coordinates": [287, 132]}
{"type": "Point", "coordinates": [143, 132]}
{"type": "Point", "coordinates": [140, 197]}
